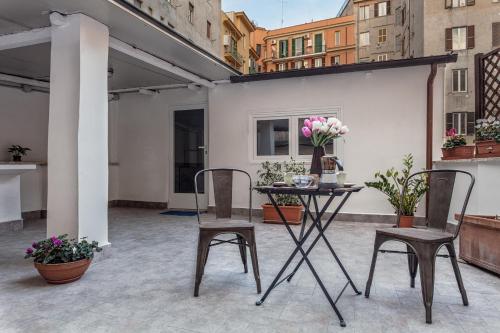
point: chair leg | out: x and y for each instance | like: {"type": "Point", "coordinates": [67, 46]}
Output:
{"type": "Point", "coordinates": [201, 258]}
{"type": "Point", "coordinates": [379, 240]}
{"type": "Point", "coordinates": [458, 276]}
{"type": "Point", "coordinates": [255, 262]}
{"type": "Point", "coordinates": [412, 265]}
{"type": "Point", "coordinates": [243, 252]}
{"type": "Point", "coordinates": [427, 259]}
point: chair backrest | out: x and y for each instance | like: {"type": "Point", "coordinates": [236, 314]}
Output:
{"type": "Point", "coordinates": [222, 179]}
{"type": "Point", "coordinates": [441, 184]}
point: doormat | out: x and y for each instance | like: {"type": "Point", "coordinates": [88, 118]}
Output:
{"type": "Point", "coordinates": [179, 213]}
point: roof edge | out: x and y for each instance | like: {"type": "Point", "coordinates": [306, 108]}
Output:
{"type": "Point", "coordinates": [368, 66]}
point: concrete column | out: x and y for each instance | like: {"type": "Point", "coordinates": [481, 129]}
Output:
{"type": "Point", "coordinates": [77, 178]}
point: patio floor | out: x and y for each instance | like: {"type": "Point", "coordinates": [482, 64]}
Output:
{"type": "Point", "coordinates": [146, 285]}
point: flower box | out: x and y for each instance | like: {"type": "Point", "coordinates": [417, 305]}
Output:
{"type": "Point", "coordinates": [293, 214]}
{"type": "Point", "coordinates": [479, 243]}
{"type": "Point", "coordinates": [458, 153]}
{"type": "Point", "coordinates": [487, 148]}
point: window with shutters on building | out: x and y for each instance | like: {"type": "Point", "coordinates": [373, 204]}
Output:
{"type": "Point", "coordinates": [283, 48]}
{"type": "Point", "coordinates": [448, 4]}
{"type": "Point", "coordinates": [318, 62]}
{"type": "Point", "coordinates": [297, 46]}
{"type": "Point", "coordinates": [364, 38]}
{"type": "Point", "coordinates": [459, 38]}
{"type": "Point", "coordinates": [318, 43]}
{"type": "Point", "coordinates": [459, 80]}
{"type": "Point", "coordinates": [364, 12]}
{"type": "Point", "coordinates": [382, 9]}
{"type": "Point", "coordinates": [462, 122]}
{"type": "Point", "coordinates": [336, 60]}
{"type": "Point", "coordinates": [337, 38]}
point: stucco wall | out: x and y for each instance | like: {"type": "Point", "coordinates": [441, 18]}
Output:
{"type": "Point", "coordinates": [385, 110]}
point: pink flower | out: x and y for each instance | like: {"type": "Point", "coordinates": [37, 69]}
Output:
{"type": "Point", "coordinates": [313, 118]}
{"type": "Point", "coordinates": [308, 123]}
{"type": "Point", "coordinates": [452, 132]}
{"type": "Point", "coordinates": [306, 131]}
{"type": "Point", "coordinates": [29, 250]}
{"type": "Point", "coordinates": [322, 119]}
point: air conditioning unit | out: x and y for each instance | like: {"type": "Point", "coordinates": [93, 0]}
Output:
{"type": "Point", "coordinates": [309, 43]}
{"type": "Point", "coordinates": [227, 40]}
{"type": "Point", "coordinates": [273, 42]}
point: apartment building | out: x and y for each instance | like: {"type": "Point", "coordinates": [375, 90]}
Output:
{"type": "Point", "coordinates": [316, 44]}
{"type": "Point", "coordinates": [237, 48]}
{"type": "Point", "coordinates": [387, 30]}
{"type": "Point", "coordinates": [465, 27]}
{"type": "Point", "coordinates": [196, 20]}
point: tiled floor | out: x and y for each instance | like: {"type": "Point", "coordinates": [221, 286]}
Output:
{"type": "Point", "coordinates": [147, 284]}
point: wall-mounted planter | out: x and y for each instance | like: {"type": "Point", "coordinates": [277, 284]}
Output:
{"type": "Point", "coordinates": [458, 153]}
{"type": "Point", "coordinates": [488, 148]}
{"type": "Point", "coordinates": [293, 214]}
{"type": "Point", "coordinates": [479, 241]}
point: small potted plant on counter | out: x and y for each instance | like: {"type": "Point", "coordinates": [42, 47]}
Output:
{"type": "Point", "coordinates": [391, 184]}
{"type": "Point", "coordinates": [290, 206]}
{"type": "Point", "coordinates": [455, 147]}
{"type": "Point", "coordinates": [18, 152]}
{"type": "Point", "coordinates": [59, 260]}
{"type": "Point", "coordinates": [488, 137]}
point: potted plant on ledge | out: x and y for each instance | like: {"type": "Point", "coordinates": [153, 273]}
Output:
{"type": "Point", "coordinates": [290, 205]}
{"type": "Point", "coordinates": [18, 152]}
{"type": "Point", "coordinates": [455, 147]}
{"type": "Point", "coordinates": [59, 260]}
{"type": "Point", "coordinates": [488, 137]}
{"type": "Point", "coordinates": [391, 184]}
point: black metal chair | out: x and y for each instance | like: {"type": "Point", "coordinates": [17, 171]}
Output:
{"type": "Point", "coordinates": [224, 224]}
{"type": "Point", "coordinates": [423, 244]}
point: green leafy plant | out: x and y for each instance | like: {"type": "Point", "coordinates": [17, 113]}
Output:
{"type": "Point", "coordinates": [269, 173]}
{"type": "Point", "coordinates": [488, 129]}
{"type": "Point", "coordinates": [391, 183]}
{"type": "Point", "coordinates": [18, 151]}
{"type": "Point", "coordinates": [454, 140]}
{"type": "Point", "coordinates": [57, 250]}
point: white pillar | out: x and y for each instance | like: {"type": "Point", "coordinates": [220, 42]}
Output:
{"type": "Point", "coordinates": [78, 129]}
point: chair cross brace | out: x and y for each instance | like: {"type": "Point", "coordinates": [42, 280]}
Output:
{"type": "Point", "coordinates": [229, 241]}
{"type": "Point", "coordinates": [412, 253]}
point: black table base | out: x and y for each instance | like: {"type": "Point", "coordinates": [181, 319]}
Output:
{"type": "Point", "coordinates": [300, 241]}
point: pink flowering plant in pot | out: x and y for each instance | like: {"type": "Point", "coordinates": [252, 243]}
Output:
{"type": "Point", "coordinates": [322, 131]}
{"type": "Point", "coordinates": [62, 260]}
{"type": "Point", "coordinates": [455, 146]}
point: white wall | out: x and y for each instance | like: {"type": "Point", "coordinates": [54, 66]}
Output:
{"type": "Point", "coordinates": [24, 121]}
{"type": "Point", "coordinates": [384, 109]}
{"type": "Point", "coordinates": [143, 142]}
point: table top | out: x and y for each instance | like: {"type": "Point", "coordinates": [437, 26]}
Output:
{"type": "Point", "coordinates": [308, 190]}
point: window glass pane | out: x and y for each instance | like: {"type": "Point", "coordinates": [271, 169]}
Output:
{"type": "Point", "coordinates": [382, 9]}
{"type": "Point", "coordinates": [463, 80]}
{"type": "Point", "coordinates": [305, 145]}
{"type": "Point", "coordinates": [272, 137]}
{"type": "Point", "coordinates": [459, 38]}
{"type": "Point", "coordinates": [455, 80]}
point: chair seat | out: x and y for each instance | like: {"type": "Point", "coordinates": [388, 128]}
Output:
{"type": "Point", "coordinates": [226, 224]}
{"type": "Point", "coordinates": [417, 234]}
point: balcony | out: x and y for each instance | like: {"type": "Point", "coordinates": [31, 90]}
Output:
{"type": "Point", "coordinates": [308, 51]}
{"type": "Point", "coordinates": [232, 55]}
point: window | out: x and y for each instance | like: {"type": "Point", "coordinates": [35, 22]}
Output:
{"type": "Point", "coordinates": [459, 80]}
{"type": "Point", "coordinates": [459, 38]}
{"type": "Point", "coordinates": [258, 49]}
{"type": "Point", "coordinates": [191, 13]}
{"type": "Point", "coordinates": [382, 57]}
{"type": "Point", "coordinates": [297, 46]}
{"type": "Point", "coordinates": [282, 67]}
{"type": "Point", "coordinates": [337, 38]}
{"type": "Point", "coordinates": [463, 122]}
{"type": "Point", "coordinates": [283, 48]}
{"type": "Point", "coordinates": [382, 9]}
{"type": "Point", "coordinates": [364, 39]}
{"type": "Point", "coordinates": [364, 12]}
{"type": "Point", "coordinates": [458, 3]}
{"type": "Point", "coordinates": [299, 64]}
{"type": "Point", "coordinates": [318, 43]}
{"type": "Point", "coordinates": [278, 135]}
{"type": "Point", "coordinates": [318, 62]}
{"type": "Point", "coordinates": [138, 3]}
{"type": "Point", "coordinates": [495, 34]}
{"type": "Point", "coordinates": [336, 60]}
{"type": "Point", "coordinates": [209, 30]}
{"type": "Point", "coordinates": [382, 35]}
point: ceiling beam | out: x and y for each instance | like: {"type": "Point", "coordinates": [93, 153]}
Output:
{"type": "Point", "coordinates": [22, 80]}
{"type": "Point", "coordinates": [148, 58]}
{"type": "Point", "coordinates": [25, 38]}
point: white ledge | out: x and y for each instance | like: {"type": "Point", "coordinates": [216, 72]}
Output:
{"type": "Point", "coordinates": [470, 160]}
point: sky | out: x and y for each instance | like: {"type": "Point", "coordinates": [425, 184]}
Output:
{"type": "Point", "coordinates": [267, 13]}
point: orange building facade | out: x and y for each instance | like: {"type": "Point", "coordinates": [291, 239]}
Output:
{"type": "Point", "coordinates": [317, 44]}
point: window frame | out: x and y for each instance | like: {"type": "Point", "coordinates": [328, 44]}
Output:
{"type": "Point", "coordinates": [293, 117]}
{"type": "Point", "coordinates": [339, 35]}
{"type": "Point", "coordinates": [382, 57]}
{"type": "Point", "coordinates": [364, 33]}
{"type": "Point", "coordinates": [464, 28]}
{"type": "Point", "coordinates": [379, 6]}
{"type": "Point", "coordinates": [382, 36]}
{"type": "Point", "coordinates": [459, 80]}
{"type": "Point", "coordinates": [366, 13]}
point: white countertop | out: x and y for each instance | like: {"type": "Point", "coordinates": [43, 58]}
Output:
{"type": "Point", "coordinates": [15, 168]}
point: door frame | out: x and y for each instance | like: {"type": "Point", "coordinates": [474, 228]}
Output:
{"type": "Point", "coordinates": [185, 201]}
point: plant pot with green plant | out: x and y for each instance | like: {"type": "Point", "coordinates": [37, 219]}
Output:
{"type": "Point", "coordinates": [18, 152]}
{"type": "Point", "coordinates": [391, 183]}
{"type": "Point", "coordinates": [488, 137]}
{"type": "Point", "coordinates": [270, 173]}
{"type": "Point", "coordinates": [59, 260]}
{"type": "Point", "coordinates": [455, 147]}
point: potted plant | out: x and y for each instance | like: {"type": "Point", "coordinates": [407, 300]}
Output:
{"type": "Point", "coordinates": [391, 184]}
{"type": "Point", "coordinates": [18, 152]}
{"type": "Point", "coordinates": [455, 147]}
{"type": "Point", "coordinates": [488, 137]}
{"type": "Point", "coordinates": [59, 260]}
{"type": "Point", "coordinates": [290, 206]}
{"type": "Point", "coordinates": [322, 131]}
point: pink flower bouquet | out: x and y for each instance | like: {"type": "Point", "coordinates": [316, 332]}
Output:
{"type": "Point", "coordinates": [322, 130]}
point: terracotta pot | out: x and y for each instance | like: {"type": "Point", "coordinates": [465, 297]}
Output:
{"type": "Point", "coordinates": [293, 214]}
{"type": "Point", "coordinates": [406, 221]}
{"type": "Point", "coordinates": [488, 148]}
{"type": "Point", "coordinates": [318, 153]}
{"type": "Point", "coordinates": [63, 273]}
{"type": "Point", "coordinates": [458, 153]}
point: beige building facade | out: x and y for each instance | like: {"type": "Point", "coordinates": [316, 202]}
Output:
{"type": "Point", "coordinates": [196, 20]}
{"type": "Point", "coordinates": [467, 28]}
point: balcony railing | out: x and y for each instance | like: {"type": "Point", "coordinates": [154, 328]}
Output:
{"type": "Point", "coordinates": [231, 52]}
{"type": "Point", "coordinates": [316, 49]}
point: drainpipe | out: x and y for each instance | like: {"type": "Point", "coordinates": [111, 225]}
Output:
{"type": "Point", "coordinates": [430, 115]}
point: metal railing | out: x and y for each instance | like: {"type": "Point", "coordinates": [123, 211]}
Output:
{"type": "Point", "coordinates": [234, 53]}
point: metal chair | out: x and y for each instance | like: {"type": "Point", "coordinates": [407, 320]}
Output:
{"type": "Point", "coordinates": [224, 224]}
{"type": "Point", "coordinates": [423, 244]}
